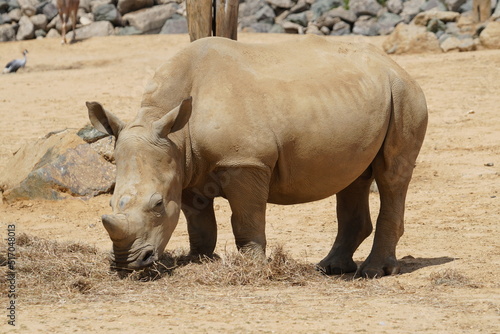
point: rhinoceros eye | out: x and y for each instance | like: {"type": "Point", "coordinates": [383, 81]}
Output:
{"type": "Point", "coordinates": [156, 202]}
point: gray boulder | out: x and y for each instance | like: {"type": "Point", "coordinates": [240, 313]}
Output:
{"type": "Point", "coordinates": [300, 6]}
{"type": "Point", "coordinates": [16, 14]}
{"type": "Point", "coordinates": [454, 5]}
{"type": "Point", "coordinates": [13, 4]}
{"type": "Point", "coordinates": [26, 29]}
{"type": "Point", "coordinates": [467, 6]}
{"type": "Point", "coordinates": [107, 12]}
{"type": "Point", "coordinates": [50, 11]}
{"type": "Point", "coordinates": [453, 43]}
{"type": "Point", "coordinates": [265, 15]}
{"type": "Point", "coordinates": [329, 21]}
{"type": "Point", "coordinates": [95, 29]}
{"type": "Point", "coordinates": [299, 18]}
{"type": "Point", "coordinates": [40, 33]}
{"type": "Point", "coordinates": [452, 28]}
{"type": "Point", "coordinates": [126, 31]}
{"type": "Point", "coordinates": [58, 166]}
{"type": "Point", "coordinates": [410, 9]}
{"type": "Point", "coordinates": [90, 134]}
{"type": "Point", "coordinates": [325, 30]}
{"type": "Point", "coordinates": [395, 6]}
{"type": "Point", "coordinates": [281, 3]}
{"type": "Point", "coordinates": [7, 33]}
{"type": "Point", "coordinates": [85, 5]}
{"type": "Point", "coordinates": [341, 28]}
{"type": "Point", "coordinates": [5, 18]}
{"type": "Point", "coordinates": [263, 27]}
{"type": "Point", "coordinates": [366, 25]}
{"type": "Point", "coordinates": [177, 24]}
{"type": "Point", "coordinates": [246, 22]}
{"type": "Point", "coordinates": [433, 4]}
{"type": "Point", "coordinates": [39, 21]}
{"type": "Point", "coordinates": [53, 33]}
{"type": "Point", "coordinates": [292, 28]}
{"type": "Point", "coordinates": [150, 20]}
{"type": "Point", "coordinates": [28, 10]}
{"type": "Point", "coordinates": [127, 6]}
{"type": "Point", "coordinates": [313, 30]}
{"type": "Point", "coordinates": [365, 7]}
{"type": "Point", "coordinates": [277, 29]}
{"type": "Point", "coordinates": [387, 22]}
{"type": "Point", "coordinates": [320, 7]}
{"type": "Point", "coordinates": [247, 9]}
{"type": "Point", "coordinates": [342, 13]}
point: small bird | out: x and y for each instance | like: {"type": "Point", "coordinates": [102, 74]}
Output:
{"type": "Point", "coordinates": [15, 64]}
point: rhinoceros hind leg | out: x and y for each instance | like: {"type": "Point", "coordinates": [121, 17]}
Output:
{"type": "Point", "coordinates": [393, 184]}
{"type": "Point", "coordinates": [354, 226]}
{"type": "Point", "coordinates": [393, 174]}
{"type": "Point", "coordinates": [202, 227]}
{"type": "Point", "coordinates": [393, 168]}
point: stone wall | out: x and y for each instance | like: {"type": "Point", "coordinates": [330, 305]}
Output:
{"type": "Point", "coordinates": [454, 27]}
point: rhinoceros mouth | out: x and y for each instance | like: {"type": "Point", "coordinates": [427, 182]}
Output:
{"type": "Point", "coordinates": [132, 259]}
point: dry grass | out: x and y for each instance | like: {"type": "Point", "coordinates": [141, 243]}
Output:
{"type": "Point", "coordinates": [238, 269]}
{"type": "Point", "coordinates": [451, 277]}
{"type": "Point", "coordinates": [49, 270]}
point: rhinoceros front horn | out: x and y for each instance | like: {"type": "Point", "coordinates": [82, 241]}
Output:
{"type": "Point", "coordinates": [116, 226]}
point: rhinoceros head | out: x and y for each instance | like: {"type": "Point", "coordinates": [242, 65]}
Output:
{"type": "Point", "coordinates": [146, 200]}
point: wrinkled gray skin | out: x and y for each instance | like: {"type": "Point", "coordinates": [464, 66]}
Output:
{"type": "Point", "coordinates": [285, 123]}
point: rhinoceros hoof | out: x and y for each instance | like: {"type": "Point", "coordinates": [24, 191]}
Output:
{"type": "Point", "coordinates": [368, 270]}
{"type": "Point", "coordinates": [336, 268]}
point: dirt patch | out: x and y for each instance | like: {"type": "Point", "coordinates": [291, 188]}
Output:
{"type": "Point", "coordinates": [450, 251]}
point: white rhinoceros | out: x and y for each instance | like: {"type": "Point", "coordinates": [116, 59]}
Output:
{"type": "Point", "coordinates": [283, 123]}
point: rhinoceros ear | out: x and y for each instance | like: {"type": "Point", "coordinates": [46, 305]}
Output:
{"type": "Point", "coordinates": [103, 120]}
{"type": "Point", "coordinates": [175, 119]}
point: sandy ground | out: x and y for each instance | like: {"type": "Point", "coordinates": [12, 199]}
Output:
{"type": "Point", "coordinates": [452, 220]}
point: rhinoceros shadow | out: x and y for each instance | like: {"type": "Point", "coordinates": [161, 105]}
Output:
{"type": "Point", "coordinates": [410, 264]}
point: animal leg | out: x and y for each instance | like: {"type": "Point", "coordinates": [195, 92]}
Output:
{"type": "Point", "coordinates": [63, 31]}
{"type": "Point", "coordinates": [73, 25]}
{"type": "Point", "coordinates": [354, 226]}
{"type": "Point", "coordinates": [247, 191]}
{"type": "Point", "coordinates": [393, 167]}
{"type": "Point", "coordinates": [202, 227]}
{"type": "Point", "coordinates": [393, 184]}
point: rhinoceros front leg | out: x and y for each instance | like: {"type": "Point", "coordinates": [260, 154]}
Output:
{"type": "Point", "coordinates": [354, 226]}
{"type": "Point", "coordinates": [202, 227]}
{"type": "Point", "coordinates": [247, 191]}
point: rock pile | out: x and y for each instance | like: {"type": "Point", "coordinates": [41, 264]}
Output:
{"type": "Point", "coordinates": [28, 19]}
{"type": "Point", "coordinates": [414, 25]}
{"type": "Point", "coordinates": [449, 21]}
{"type": "Point", "coordinates": [62, 164]}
